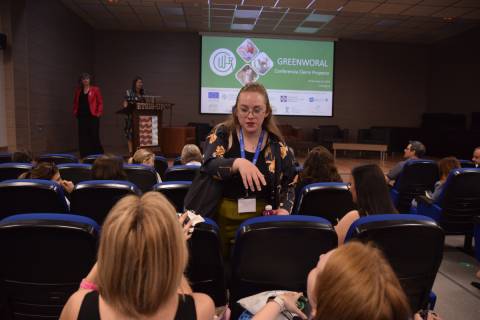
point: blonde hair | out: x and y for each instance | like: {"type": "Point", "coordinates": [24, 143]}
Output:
{"type": "Point", "coordinates": [269, 123]}
{"type": "Point", "coordinates": [142, 255]}
{"type": "Point", "coordinates": [358, 283]}
{"type": "Point", "coordinates": [141, 155]}
{"type": "Point", "coordinates": [190, 152]}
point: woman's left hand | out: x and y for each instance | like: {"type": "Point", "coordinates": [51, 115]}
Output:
{"type": "Point", "coordinates": [186, 226]}
{"type": "Point", "coordinates": [67, 185]}
{"type": "Point", "coordinates": [281, 212]}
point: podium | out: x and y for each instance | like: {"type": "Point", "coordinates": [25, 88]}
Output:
{"type": "Point", "coordinates": [147, 116]}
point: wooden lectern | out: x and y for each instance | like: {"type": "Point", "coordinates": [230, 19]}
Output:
{"type": "Point", "coordinates": [147, 121]}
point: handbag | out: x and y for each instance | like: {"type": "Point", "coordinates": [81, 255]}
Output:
{"type": "Point", "coordinates": [204, 195]}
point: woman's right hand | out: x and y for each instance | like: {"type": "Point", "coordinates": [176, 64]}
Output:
{"type": "Point", "coordinates": [290, 299]}
{"type": "Point", "coordinates": [125, 103]}
{"type": "Point", "coordinates": [252, 177]}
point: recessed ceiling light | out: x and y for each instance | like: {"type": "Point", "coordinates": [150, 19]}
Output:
{"type": "Point", "coordinates": [306, 30]}
{"type": "Point", "coordinates": [247, 14]}
{"type": "Point", "coordinates": [315, 17]}
{"type": "Point", "coordinates": [242, 26]}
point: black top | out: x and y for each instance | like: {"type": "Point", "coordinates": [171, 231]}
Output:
{"type": "Point", "coordinates": [83, 105]}
{"type": "Point", "coordinates": [233, 187]}
{"type": "Point", "coordinates": [89, 309]}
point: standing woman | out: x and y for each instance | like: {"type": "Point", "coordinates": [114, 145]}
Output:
{"type": "Point", "coordinates": [133, 95]}
{"type": "Point", "coordinates": [247, 153]}
{"type": "Point", "coordinates": [88, 107]}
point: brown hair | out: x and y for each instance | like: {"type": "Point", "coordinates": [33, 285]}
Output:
{"type": "Point", "coordinates": [445, 165]}
{"type": "Point", "coordinates": [191, 152]}
{"type": "Point", "coordinates": [43, 170]}
{"type": "Point", "coordinates": [358, 283]}
{"type": "Point", "coordinates": [320, 167]}
{"type": "Point", "coordinates": [269, 123]}
{"type": "Point", "coordinates": [141, 155]}
{"type": "Point", "coordinates": [108, 167]}
{"type": "Point", "coordinates": [142, 255]}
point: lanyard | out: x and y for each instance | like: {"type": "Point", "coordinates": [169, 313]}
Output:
{"type": "Point", "coordinates": [257, 151]}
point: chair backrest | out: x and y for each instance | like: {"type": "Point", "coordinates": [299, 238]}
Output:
{"type": "Point", "coordinates": [177, 161]}
{"type": "Point", "coordinates": [460, 200]}
{"type": "Point", "coordinates": [11, 170]}
{"type": "Point", "coordinates": [205, 269]}
{"type": "Point", "coordinates": [75, 172]}
{"type": "Point", "coordinates": [278, 252]}
{"type": "Point", "coordinates": [416, 177]}
{"type": "Point", "coordinates": [175, 191]}
{"type": "Point", "coordinates": [467, 164]}
{"type": "Point", "coordinates": [30, 196]}
{"type": "Point", "coordinates": [161, 165]}
{"type": "Point", "coordinates": [476, 235]}
{"type": "Point", "coordinates": [144, 177]}
{"type": "Point", "coordinates": [95, 198]}
{"type": "Point", "coordinates": [329, 200]}
{"type": "Point", "coordinates": [5, 157]}
{"type": "Point", "coordinates": [413, 244]}
{"type": "Point", "coordinates": [44, 258]}
{"type": "Point", "coordinates": [58, 158]}
{"type": "Point", "coordinates": [181, 173]}
{"type": "Point", "coordinates": [91, 158]}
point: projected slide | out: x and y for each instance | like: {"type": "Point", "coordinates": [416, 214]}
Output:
{"type": "Point", "coordinates": [298, 74]}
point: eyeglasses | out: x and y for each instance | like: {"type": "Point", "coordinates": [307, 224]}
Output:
{"type": "Point", "coordinates": [244, 112]}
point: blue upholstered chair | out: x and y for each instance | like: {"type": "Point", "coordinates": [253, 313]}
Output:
{"type": "Point", "coordinates": [44, 258]}
{"type": "Point", "coordinates": [458, 203]}
{"type": "Point", "coordinates": [177, 161]}
{"type": "Point", "coordinates": [467, 164]}
{"type": "Point", "coordinates": [477, 245]}
{"type": "Point", "coordinates": [416, 177]}
{"type": "Point", "coordinates": [30, 196]}
{"type": "Point", "coordinates": [181, 173]}
{"type": "Point", "coordinates": [205, 269]}
{"type": "Point", "coordinates": [5, 157]}
{"type": "Point", "coordinates": [413, 244]}
{"type": "Point", "coordinates": [329, 200]}
{"type": "Point", "coordinates": [58, 158]}
{"type": "Point", "coordinates": [11, 170]}
{"type": "Point", "coordinates": [75, 172]}
{"type": "Point", "coordinates": [175, 191]}
{"type": "Point", "coordinates": [95, 198]}
{"type": "Point", "coordinates": [91, 158]}
{"type": "Point", "coordinates": [277, 252]}
{"type": "Point", "coordinates": [144, 177]}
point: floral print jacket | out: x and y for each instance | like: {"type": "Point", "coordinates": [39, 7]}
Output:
{"type": "Point", "coordinates": [280, 161]}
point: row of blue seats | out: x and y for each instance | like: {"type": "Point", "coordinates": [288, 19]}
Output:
{"type": "Point", "coordinates": [142, 176]}
{"type": "Point", "coordinates": [62, 248]}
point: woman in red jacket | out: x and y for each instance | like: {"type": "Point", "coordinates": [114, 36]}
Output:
{"type": "Point", "coordinates": [88, 107]}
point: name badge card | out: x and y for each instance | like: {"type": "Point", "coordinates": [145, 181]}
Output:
{"type": "Point", "coordinates": [247, 205]}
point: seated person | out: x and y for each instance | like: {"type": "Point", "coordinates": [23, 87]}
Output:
{"type": "Point", "coordinates": [191, 155]}
{"type": "Point", "coordinates": [371, 195]}
{"type": "Point", "coordinates": [145, 157]}
{"type": "Point", "coordinates": [319, 166]}
{"type": "Point", "coordinates": [476, 157]}
{"type": "Point", "coordinates": [139, 273]}
{"type": "Point", "coordinates": [445, 165]}
{"type": "Point", "coordinates": [414, 150]}
{"type": "Point", "coordinates": [354, 281]}
{"type": "Point", "coordinates": [108, 167]}
{"type": "Point", "coordinates": [48, 171]}
{"type": "Point", "coordinates": [22, 157]}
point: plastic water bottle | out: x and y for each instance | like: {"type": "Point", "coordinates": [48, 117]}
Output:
{"type": "Point", "coordinates": [268, 211]}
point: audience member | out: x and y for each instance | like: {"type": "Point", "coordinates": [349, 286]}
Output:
{"type": "Point", "coordinates": [191, 155]}
{"type": "Point", "coordinates": [414, 150]}
{"type": "Point", "coordinates": [476, 157]}
{"type": "Point", "coordinates": [445, 165]}
{"type": "Point", "coordinates": [22, 157]}
{"type": "Point", "coordinates": [319, 166]}
{"type": "Point", "coordinates": [248, 156]}
{"type": "Point", "coordinates": [47, 171]}
{"type": "Point", "coordinates": [108, 167]}
{"type": "Point", "coordinates": [352, 282]}
{"type": "Point", "coordinates": [145, 157]}
{"type": "Point", "coordinates": [139, 273]}
{"type": "Point", "coordinates": [370, 193]}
